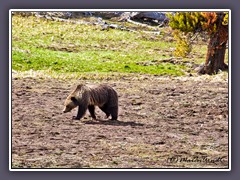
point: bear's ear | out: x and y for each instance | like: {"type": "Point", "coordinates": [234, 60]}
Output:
{"type": "Point", "coordinates": [74, 100]}
{"type": "Point", "coordinates": [79, 87]}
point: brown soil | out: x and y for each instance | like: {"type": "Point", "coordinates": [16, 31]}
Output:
{"type": "Point", "coordinates": [163, 123]}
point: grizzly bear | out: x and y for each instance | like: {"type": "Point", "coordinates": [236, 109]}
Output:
{"type": "Point", "coordinates": [86, 97]}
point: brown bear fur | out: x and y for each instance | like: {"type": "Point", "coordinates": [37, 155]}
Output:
{"type": "Point", "coordinates": [86, 97]}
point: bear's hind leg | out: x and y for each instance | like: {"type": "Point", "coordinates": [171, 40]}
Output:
{"type": "Point", "coordinates": [105, 110]}
{"type": "Point", "coordinates": [114, 112]}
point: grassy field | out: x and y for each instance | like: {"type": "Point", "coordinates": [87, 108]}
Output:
{"type": "Point", "coordinates": [61, 47]}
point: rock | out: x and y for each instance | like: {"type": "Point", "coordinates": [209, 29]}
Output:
{"type": "Point", "coordinates": [106, 15]}
{"type": "Point", "coordinates": [158, 16]}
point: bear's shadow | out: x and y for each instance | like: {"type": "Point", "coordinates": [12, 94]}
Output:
{"type": "Point", "coordinates": [113, 122]}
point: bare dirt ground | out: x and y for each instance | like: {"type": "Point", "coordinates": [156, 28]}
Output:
{"type": "Point", "coordinates": [163, 123]}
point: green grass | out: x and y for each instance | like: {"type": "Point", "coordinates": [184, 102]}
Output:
{"type": "Point", "coordinates": [61, 47]}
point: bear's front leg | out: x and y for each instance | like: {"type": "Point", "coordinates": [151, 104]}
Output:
{"type": "Point", "coordinates": [81, 111]}
{"type": "Point", "coordinates": [91, 109]}
{"type": "Point", "coordinates": [75, 118]}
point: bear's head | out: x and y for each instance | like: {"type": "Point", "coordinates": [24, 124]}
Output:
{"type": "Point", "coordinates": [73, 99]}
{"type": "Point", "coordinates": [70, 103]}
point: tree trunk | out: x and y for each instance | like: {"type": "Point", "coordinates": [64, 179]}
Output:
{"type": "Point", "coordinates": [215, 57]}
{"type": "Point", "coordinates": [216, 50]}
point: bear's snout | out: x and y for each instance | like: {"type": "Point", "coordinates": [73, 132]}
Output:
{"type": "Point", "coordinates": [65, 110]}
